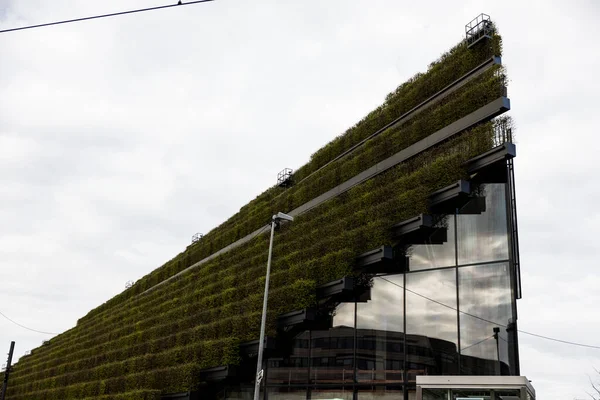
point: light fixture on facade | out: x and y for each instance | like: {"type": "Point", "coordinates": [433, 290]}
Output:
{"type": "Point", "coordinates": [261, 342]}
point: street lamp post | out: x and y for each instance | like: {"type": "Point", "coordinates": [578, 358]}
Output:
{"type": "Point", "coordinates": [496, 332]}
{"type": "Point", "coordinates": [261, 344]}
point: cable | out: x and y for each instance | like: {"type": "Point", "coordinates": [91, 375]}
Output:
{"type": "Point", "coordinates": [492, 322]}
{"type": "Point", "coordinates": [475, 344]}
{"type": "Point", "coordinates": [24, 327]}
{"type": "Point", "coordinates": [560, 340]}
{"type": "Point", "coordinates": [413, 292]}
{"type": "Point", "coordinates": [68, 21]}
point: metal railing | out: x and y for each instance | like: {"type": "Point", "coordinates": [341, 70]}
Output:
{"type": "Point", "coordinates": [197, 237]}
{"type": "Point", "coordinates": [502, 131]}
{"type": "Point", "coordinates": [480, 27]}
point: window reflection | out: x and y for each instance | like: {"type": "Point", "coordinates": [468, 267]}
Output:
{"type": "Point", "coordinates": [380, 393]}
{"type": "Point", "coordinates": [482, 231]}
{"type": "Point", "coordinates": [412, 394]}
{"type": "Point", "coordinates": [507, 394]}
{"type": "Point", "coordinates": [286, 393]}
{"type": "Point", "coordinates": [374, 349]}
{"type": "Point", "coordinates": [438, 251]}
{"type": "Point", "coordinates": [435, 394]}
{"type": "Point", "coordinates": [332, 353]}
{"type": "Point", "coordinates": [431, 340]}
{"type": "Point", "coordinates": [239, 393]}
{"type": "Point", "coordinates": [485, 293]}
{"type": "Point", "coordinates": [331, 394]}
{"type": "Point", "coordinates": [294, 367]}
{"type": "Point", "coordinates": [380, 337]}
{"type": "Point", "coordinates": [466, 393]}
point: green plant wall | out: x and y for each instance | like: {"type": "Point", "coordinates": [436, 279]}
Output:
{"type": "Point", "coordinates": [138, 345]}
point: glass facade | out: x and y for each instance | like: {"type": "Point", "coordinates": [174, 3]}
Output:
{"type": "Point", "coordinates": [286, 393]}
{"type": "Point", "coordinates": [431, 323]}
{"type": "Point", "coordinates": [449, 312]}
{"type": "Point", "coordinates": [294, 368]}
{"type": "Point", "coordinates": [439, 249]}
{"type": "Point", "coordinates": [485, 299]}
{"type": "Point", "coordinates": [380, 393]}
{"type": "Point", "coordinates": [482, 227]}
{"type": "Point", "coordinates": [332, 350]}
{"type": "Point", "coordinates": [379, 332]}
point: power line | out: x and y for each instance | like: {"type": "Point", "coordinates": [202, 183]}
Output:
{"type": "Point", "coordinates": [560, 340]}
{"type": "Point", "coordinates": [68, 21]}
{"type": "Point", "coordinates": [413, 292]}
{"type": "Point", "coordinates": [492, 322]}
{"type": "Point", "coordinates": [25, 327]}
{"type": "Point", "coordinates": [475, 344]}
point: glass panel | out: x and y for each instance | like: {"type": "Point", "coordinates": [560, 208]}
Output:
{"type": "Point", "coordinates": [380, 393]}
{"type": "Point", "coordinates": [508, 394]}
{"type": "Point", "coordinates": [482, 231]}
{"type": "Point", "coordinates": [529, 395]}
{"type": "Point", "coordinates": [333, 349]}
{"type": "Point", "coordinates": [380, 337]}
{"type": "Point", "coordinates": [439, 251]}
{"type": "Point", "coordinates": [435, 394]}
{"type": "Point", "coordinates": [470, 394]}
{"type": "Point", "coordinates": [293, 368]}
{"type": "Point", "coordinates": [332, 394]}
{"type": "Point", "coordinates": [432, 334]}
{"type": "Point", "coordinates": [484, 292]}
{"type": "Point", "coordinates": [240, 393]}
{"type": "Point", "coordinates": [286, 393]}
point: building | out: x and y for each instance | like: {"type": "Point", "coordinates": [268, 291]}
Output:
{"type": "Point", "coordinates": [402, 261]}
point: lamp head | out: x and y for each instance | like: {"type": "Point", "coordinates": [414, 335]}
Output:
{"type": "Point", "coordinates": [281, 216]}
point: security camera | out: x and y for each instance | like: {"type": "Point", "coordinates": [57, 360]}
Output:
{"type": "Point", "coordinates": [283, 216]}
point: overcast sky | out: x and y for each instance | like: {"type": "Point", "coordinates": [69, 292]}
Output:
{"type": "Point", "coordinates": [120, 138]}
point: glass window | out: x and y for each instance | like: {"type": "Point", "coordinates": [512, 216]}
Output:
{"type": "Point", "coordinates": [332, 352]}
{"type": "Point", "coordinates": [435, 394]}
{"type": "Point", "coordinates": [484, 292]}
{"type": "Point", "coordinates": [331, 394]}
{"type": "Point", "coordinates": [380, 332]}
{"type": "Point", "coordinates": [470, 393]}
{"type": "Point", "coordinates": [507, 394]}
{"type": "Point", "coordinates": [286, 393]}
{"type": "Point", "coordinates": [294, 367]}
{"type": "Point", "coordinates": [438, 251]}
{"type": "Point", "coordinates": [380, 393]}
{"type": "Point", "coordinates": [241, 393]}
{"type": "Point", "coordinates": [431, 323]}
{"type": "Point", "coordinates": [482, 230]}
{"type": "Point", "coordinates": [412, 394]}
